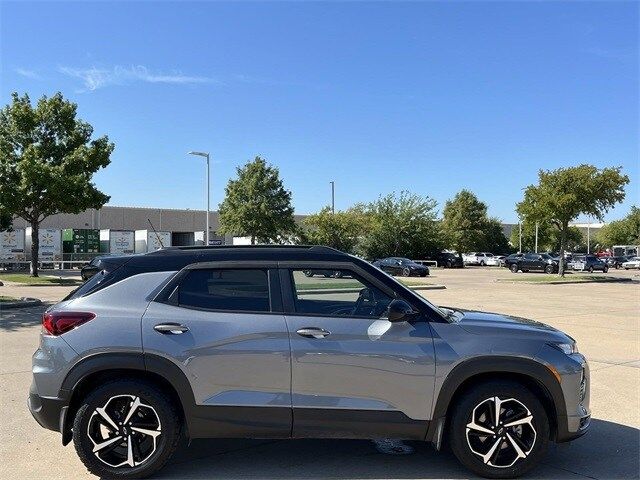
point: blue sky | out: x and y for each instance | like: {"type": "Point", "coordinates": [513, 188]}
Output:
{"type": "Point", "coordinates": [430, 97]}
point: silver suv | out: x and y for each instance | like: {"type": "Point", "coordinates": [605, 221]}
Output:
{"type": "Point", "coordinates": [240, 342]}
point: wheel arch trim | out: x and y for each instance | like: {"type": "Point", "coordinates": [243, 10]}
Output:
{"type": "Point", "coordinates": [143, 364]}
{"type": "Point", "coordinates": [465, 372]}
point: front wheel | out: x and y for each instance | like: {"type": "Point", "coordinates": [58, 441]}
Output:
{"type": "Point", "coordinates": [499, 430]}
{"type": "Point", "coordinates": [548, 269]}
{"type": "Point", "coordinates": [605, 269]}
{"type": "Point", "coordinates": [126, 429]}
{"type": "Point", "coordinates": [406, 272]}
{"type": "Point", "coordinates": [514, 268]}
{"type": "Point", "coordinates": [591, 269]}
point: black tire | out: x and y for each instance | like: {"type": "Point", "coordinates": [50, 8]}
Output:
{"type": "Point", "coordinates": [337, 274]}
{"type": "Point", "coordinates": [165, 443]}
{"type": "Point", "coordinates": [605, 269]}
{"type": "Point", "coordinates": [514, 267]}
{"type": "Point", "coordinates": [548, 269]}
{"type": "Point", "coordinates": [308, 273]}
{"type": "Point", "coordinates": [591, 269]}
{"type": "Point", "coordinates": [482, 264]}
{"type": "Point", "coordinates": [617, 266]}
{"type": "Point", "coordinates": [406, 272]}
{"type": "Point", "coordinates": [449, 264]}
{"type": "Point", "coordinates": [461, 417]}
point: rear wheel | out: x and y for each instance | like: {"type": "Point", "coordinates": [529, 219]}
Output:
{"type": "Point", "coordinates": [406, 272]}
{"type": "Point", "coordinates": [548, 269]}
{"type": "Point", "coordinates": [126, 429]}
{"type": "Point", "coordinates": [591, 269]}
{"type": "Point", "coordinates": [499, 430]}
{"type": "Point", "coordinates": [605, 269]}
{"type": "Point", "coordinates": [482, 264]}
{"type": "Point", "coordinates": [514, 267]}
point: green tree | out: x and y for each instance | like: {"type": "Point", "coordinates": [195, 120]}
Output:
{"type": "Point", "coordinates": [467, 227]}
{"type": "Point", "coordinates": [494, 239]}
{"type": "Point", "coordinates": [562, 195]}
{"type": "Point", "coordinates": [47, 161]}
{"type": "Point", "coordinates": [5, 219]}
{"type": "Point", "coordinates": [342, 230]}
{"type": "Point", "coordinates": [257, 205]}
{"type": "Point", "coordinates": [621, 232]}
{"type": "Point", "coordinates": [403, 225]}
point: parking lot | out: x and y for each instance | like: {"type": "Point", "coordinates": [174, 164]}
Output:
{"type": "Point", "coordinates": [604, 318]}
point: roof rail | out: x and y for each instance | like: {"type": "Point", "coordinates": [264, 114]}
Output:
{"type": "Point", "coordinates": [318, 248]}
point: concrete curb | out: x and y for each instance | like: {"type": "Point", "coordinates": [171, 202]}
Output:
{"type": "Point", "coordinates": [568, 282]}
{"type": "Point", "coordinates": [22, 303]}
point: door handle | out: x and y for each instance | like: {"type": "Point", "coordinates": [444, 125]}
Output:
{"type": "Point", "coordinates": [313, 332]}
{"type": "Point", "coordinates": [170, 328]}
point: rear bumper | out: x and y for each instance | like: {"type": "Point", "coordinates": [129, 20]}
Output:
{"type": "Point", "coordinates": [49, 412]}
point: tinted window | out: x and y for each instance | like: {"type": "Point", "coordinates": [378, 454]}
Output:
{"type": "Point", "coordinates": [346, 296]}
{"type": "Point", "coordinates": [241, 290]}
{"type": "Point", "coordinates": [531, 256]}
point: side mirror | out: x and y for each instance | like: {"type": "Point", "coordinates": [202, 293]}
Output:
{"type": "Point", "coordinates": [400, 311]}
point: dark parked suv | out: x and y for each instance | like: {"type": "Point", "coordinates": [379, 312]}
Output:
{"type": "Point", "coordinates": [402, 266]}
{"type": "Point", "coordinates": [238, 342]}
{"type": "Point", "coordinates": [531, 262]}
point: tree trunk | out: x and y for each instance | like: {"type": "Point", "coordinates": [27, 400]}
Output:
{"type": "Point", "coordinates": [253, 239]}
{"type": "Point", "coordinates": [35, 247]}
{"type": "Point", "coordinates": [563, 240]}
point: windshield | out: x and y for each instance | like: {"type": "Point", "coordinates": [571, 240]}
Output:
{"type": "Point", "coordinates": [545, 256]}
{"type": "Point", "coordinates": [404, 260]}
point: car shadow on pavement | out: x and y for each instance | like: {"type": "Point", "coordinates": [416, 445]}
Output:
{"type": "Point", "coordinates": [14, 318]}
{"type": "Point", "coordinates": [608, 451]}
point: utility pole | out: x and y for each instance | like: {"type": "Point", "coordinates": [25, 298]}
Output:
{"type": "Point", "coordinates": [205, 155]}
{"type": "Point", "coordinates": [520, 236]}
{"type": "Point", "coordinates": [333, 196]}
{"type": "Point", "coordinates": [536, 237]}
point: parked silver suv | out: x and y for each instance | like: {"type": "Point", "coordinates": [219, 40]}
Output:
{"type": "Point", "coordinates": [239, 342]}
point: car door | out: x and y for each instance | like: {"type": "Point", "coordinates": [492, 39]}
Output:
{"type": "Point", "coordinates": [224, 328]}
{"type": "Point", "coordinates": [355, 374]}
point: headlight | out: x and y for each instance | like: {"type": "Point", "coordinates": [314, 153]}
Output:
{"type": "Point", "coordinates": [566, 348]}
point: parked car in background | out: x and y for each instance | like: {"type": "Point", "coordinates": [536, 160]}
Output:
{"type": "Point", "coordinates": [535, 262]}
{"type": "Point", "coordinates": [88, 270]}
{"type": "Point", "coordinates": [402, 266]}
{"type": "Point", "coordinates": [633, 262]}
{"type": "Point", "coordinates": [477, 258]}
{"type": "Point", "coordinates": [323, 273]}
{"type": "Point", "coordinates": [495, 261]}
{"type": "Point", "coordinates": [615, 262]}
{"type": "Point", "coordinates": [448, 260]}
{"type": "Point", "coordinates": [588, 263]}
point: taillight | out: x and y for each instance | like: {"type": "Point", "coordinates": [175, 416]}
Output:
{"type": "Point", "coordinates": [57, 323]}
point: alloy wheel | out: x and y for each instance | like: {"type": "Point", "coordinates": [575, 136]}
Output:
{"type": "Point", "coordinates": [501, 432]}
{"type": "Point", "coordinates": [124, 432]}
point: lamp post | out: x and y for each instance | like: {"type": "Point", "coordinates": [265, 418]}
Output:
{"type": "Point", "coordinates": [333, 196]}
{"type": "Point", "coordinates": [206, 155]}
{"type": "Point", "coordinates": [520, 236]}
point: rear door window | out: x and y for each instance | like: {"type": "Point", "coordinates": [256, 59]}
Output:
{"type": "Point", "coordinates": [235, 290]}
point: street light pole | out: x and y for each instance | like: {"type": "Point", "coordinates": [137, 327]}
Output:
{"type": "Point", "coordinates": [206, 155]}
{"type": "Point", "coordinates": [333, 196]}
{"type": "Point", "coordinates": [536, 237]}
{"type": "Point", "coordinates": [520, 236]}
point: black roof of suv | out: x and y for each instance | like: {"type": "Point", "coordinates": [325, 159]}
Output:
{"type": "Point", "coordinates": [118, 267]}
